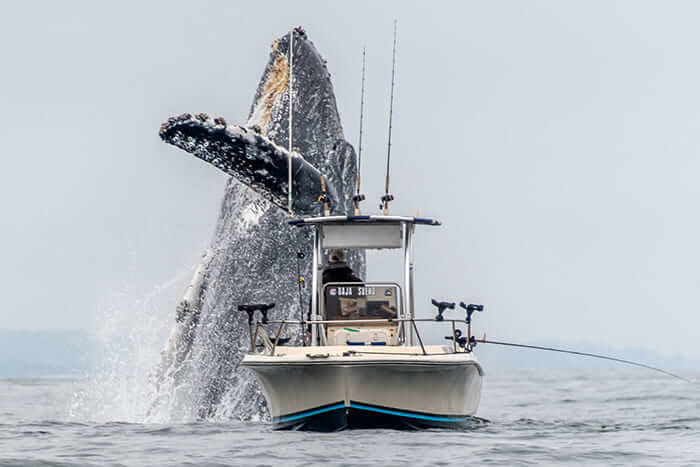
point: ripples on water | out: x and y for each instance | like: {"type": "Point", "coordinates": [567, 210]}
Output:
{"type": "Point", "coordinates": [539, 417]}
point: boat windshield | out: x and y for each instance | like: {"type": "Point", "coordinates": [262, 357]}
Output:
{"type": "Point", "coordinates": [358, 300]}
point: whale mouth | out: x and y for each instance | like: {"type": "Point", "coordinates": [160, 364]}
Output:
{"type": "Point", "coordinates": [275, 87]}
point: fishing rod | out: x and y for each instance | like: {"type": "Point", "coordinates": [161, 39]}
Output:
{"type": "Point", "coordinates": [358, 196]}
{"type": "Point", "coordinates": [387, 196]}
{"type": "Point", "coordinates": [584, 354]}
{"type": "Point", "coordinates": [469, 342]}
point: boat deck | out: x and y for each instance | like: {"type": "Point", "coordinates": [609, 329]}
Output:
{"type": "Point", "coordinates": [357, 354]}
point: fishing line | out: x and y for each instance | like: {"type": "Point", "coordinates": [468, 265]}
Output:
{"type": "Point", "coordinates": [585, 354]}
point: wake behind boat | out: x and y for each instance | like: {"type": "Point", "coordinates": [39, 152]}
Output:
{"type": "Point", "coordinates": [364, 364]}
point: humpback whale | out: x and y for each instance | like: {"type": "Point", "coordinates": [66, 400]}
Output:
{"type": "Point", "coordinates": [253, 256]}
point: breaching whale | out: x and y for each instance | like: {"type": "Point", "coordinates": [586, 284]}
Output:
{"type": "Point", "coordinates": [252, 245]}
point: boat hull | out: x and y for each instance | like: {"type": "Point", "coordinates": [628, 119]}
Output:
{"type": "Point", "coordinates": [326, 392]}
{"type": "Point", "coordinates": [337, 417]}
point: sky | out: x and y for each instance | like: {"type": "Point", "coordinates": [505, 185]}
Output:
{"type": "Point", "coordinates": [556, 141]}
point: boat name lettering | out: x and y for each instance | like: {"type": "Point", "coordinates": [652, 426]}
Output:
{"type": "Point", "coordinates": [355, 291]}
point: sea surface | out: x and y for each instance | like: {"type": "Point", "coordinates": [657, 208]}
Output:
{"type": "Point", "coordinates": [532, 417]}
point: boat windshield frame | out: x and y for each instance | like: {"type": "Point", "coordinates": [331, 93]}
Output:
{"type": "Point", "coordinates": [367, 286]}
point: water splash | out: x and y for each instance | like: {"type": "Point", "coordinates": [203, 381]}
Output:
{"type": "Point", "coordinates": [254, 260]}
{"type": "Point", "coordinates": [131, 335]}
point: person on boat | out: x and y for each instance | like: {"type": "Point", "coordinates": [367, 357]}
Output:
{"type": "Point", "coordinates": [338, 269]}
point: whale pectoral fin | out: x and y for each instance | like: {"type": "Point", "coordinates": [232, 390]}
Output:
{"type": "Point", "coordinates": [249, 157]}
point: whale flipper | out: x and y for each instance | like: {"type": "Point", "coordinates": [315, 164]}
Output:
{"type": "Point", "coordinates": [250, 157]}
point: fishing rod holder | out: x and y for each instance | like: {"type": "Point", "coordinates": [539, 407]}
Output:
{"type": "Point", "coordinates": [457, 338]}
{"type": "Point", "coordinates": [442, 306]}
{"type": "Point", "coordinates": [250, 309]}
{"type": "Point", "coordinates": [470, 309]}
{"type": "Point", "coordinates": [386, 199]}
{"type": "Point", "coordinates": [467, 343]}
{"type": "Point", "coordinates": [356, 199]}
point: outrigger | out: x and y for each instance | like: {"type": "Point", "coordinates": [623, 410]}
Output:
{"type": "Point", "coordinates": [365, 364]}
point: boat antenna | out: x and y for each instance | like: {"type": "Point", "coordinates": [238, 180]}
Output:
{"type": "Point", "coordinates": [585, 354]}
{"type": "Point", "coordinates": [388, 196]}
{"type": "Point", "coordinates": [359, 196]}
{"type": "Point", "coordinates": [289, 89]}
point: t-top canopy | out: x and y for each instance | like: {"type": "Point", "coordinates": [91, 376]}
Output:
{"type": "Point", "coordinates": [362, 232]}
{"type": "Point", "coordinates": [363, 220]}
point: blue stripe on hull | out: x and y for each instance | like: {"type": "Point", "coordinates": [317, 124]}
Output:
{"type": "Point", "coordinates": [337, 416]}
{"type": "Point", "coordinates": [398, 413]}
{"type": "Point", "coordinates": [310, 413]}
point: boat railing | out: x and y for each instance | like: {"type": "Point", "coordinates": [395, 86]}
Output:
{"type": "Point", "coordinates": [459, 343]}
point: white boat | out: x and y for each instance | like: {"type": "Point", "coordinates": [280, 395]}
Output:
{"type": "Point", "coordinates": [364, 363]}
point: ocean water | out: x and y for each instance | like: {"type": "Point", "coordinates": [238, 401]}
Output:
{"type": "Point", "coordinates": [536, 417]}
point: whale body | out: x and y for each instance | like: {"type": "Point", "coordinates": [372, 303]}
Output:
{"type": "Point", "coordinates": [253, 256]}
